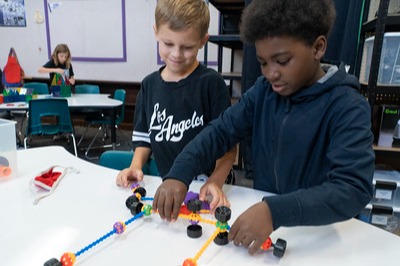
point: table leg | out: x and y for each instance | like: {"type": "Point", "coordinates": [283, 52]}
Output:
{"type": "Point", "coordinates": [113, 131]}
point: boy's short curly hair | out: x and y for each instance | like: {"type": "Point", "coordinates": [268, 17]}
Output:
{"type": "Point", "coordinates": [303, 19]}
{"type": "Point", "coordinates": [183, 14]}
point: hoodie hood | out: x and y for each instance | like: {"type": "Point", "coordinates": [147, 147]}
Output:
{"type": "Point", "coordinates": [339, 79]}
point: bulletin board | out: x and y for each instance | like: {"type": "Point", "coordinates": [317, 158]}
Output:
{"type": "Point", "coordinates": [94, 29]}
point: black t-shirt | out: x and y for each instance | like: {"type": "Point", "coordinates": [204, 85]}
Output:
{"type": "Point", "coordinates": [170, 114]}
{"type": "Point", "coordinates": [51, 64]}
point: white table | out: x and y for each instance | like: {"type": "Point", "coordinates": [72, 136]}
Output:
{"type": "Point", "coordinates": [85, 206]}
{"type": "Point", "coordinates": [79, 101]}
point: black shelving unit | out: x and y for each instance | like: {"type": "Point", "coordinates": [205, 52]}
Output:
{"type": "Point", "coordinates": [228, 41]}
{"type": "Point", "coordinates": [228, 37]}
{"type": "Point", "coordinates": [379, 95]}
{"type": "Point", "coordinates": [230, 12]}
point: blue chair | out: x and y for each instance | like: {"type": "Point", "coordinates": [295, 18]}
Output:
{"type": "Point", "coordinates": [104, 121]}
{"type": "Point", "coordinates": [87, 88]}
{"type": "Point", "coordinates": [119, 160]}
{"type": "Point", "coordinates": [49, 117]}
{"type": "Point", "coordinates": [38, 87]}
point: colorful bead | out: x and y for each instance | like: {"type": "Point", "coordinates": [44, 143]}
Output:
{"type": "Point", "coordinates": [119, 227]}
{"type": "Point", "coordinates": [194, 218]}
{"type": "Point", "coordinates": [5, 171]}
{"type": "Point", "coordinates": [222, 226]}
{"type": "Point", "coordinates": [189, 262]}
{"type": "Point", "coordinates": [138, 196]}
{"type": "Point", "coordinates": [134, 186]}
{"type": "Point", "coordinates": [147, 209]}
{"type": "Point", "coordinates": [68, 259]}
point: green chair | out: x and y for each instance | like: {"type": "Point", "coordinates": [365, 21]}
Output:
{"type": "Point", "coordinates": [119, 160]}
{"type": "Point", "coordinates": [103, 122]}
{"type": "Point", "coordinates": [38, 87]}
{"type": "Point", "coordinates": [49, 117]}
{"type": "Point", "coordinates": [87, 88]}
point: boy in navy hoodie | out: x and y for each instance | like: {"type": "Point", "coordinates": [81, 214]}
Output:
{"type": "Point", "coordinates": [312, 140]}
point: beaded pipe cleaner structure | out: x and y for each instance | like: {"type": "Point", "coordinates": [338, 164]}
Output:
{"type": "Point", "coordinates": [190, 211]}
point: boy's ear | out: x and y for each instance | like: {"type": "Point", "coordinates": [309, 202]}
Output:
{"type": "Point", "coordinates": [204, 40]}
{"type": "Point", "coordinates": [319, 46]}
{"type": "Point", "coordinates": [155, 31]}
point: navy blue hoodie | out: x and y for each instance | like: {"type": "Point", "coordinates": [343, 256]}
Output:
{"type": "Point", "coordinates": [313, 149]}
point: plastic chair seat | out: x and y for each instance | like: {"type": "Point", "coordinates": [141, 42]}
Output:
{"type": "Point", "coordinates": [119, 160]}
{"type": "Point", "coordinates": [46, 130]}
{"type": "Point", "coordinates": [38, 87]}
{"type": "Point", "coordinates": [87, 88]}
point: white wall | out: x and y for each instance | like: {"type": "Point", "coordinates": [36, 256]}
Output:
{"type": "Point", "coordinates": [30, 44]}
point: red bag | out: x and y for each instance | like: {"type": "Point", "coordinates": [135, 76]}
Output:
{"type": "Point", "coordinates": [12, 72]}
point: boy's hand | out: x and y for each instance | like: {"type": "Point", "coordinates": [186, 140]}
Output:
{"type": "Point", "coordinates": [218, 197]}
{"type": "Point", "coordinates": [252, 227]}
{"type": "Point", "coordinates": [128, 176]}
{"type": "Point", "coordinates": [168, 199]}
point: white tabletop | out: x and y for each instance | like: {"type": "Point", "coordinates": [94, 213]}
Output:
{"type": "Point", "coordinates": [85, 206]}
{"type": "Point", "coordinates": [92, 100]}
{"type": "Point", "coordinates": [78, 101]}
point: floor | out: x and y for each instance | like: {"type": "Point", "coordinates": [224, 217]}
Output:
{"type": "Point", "coordinates": [123, 139]}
